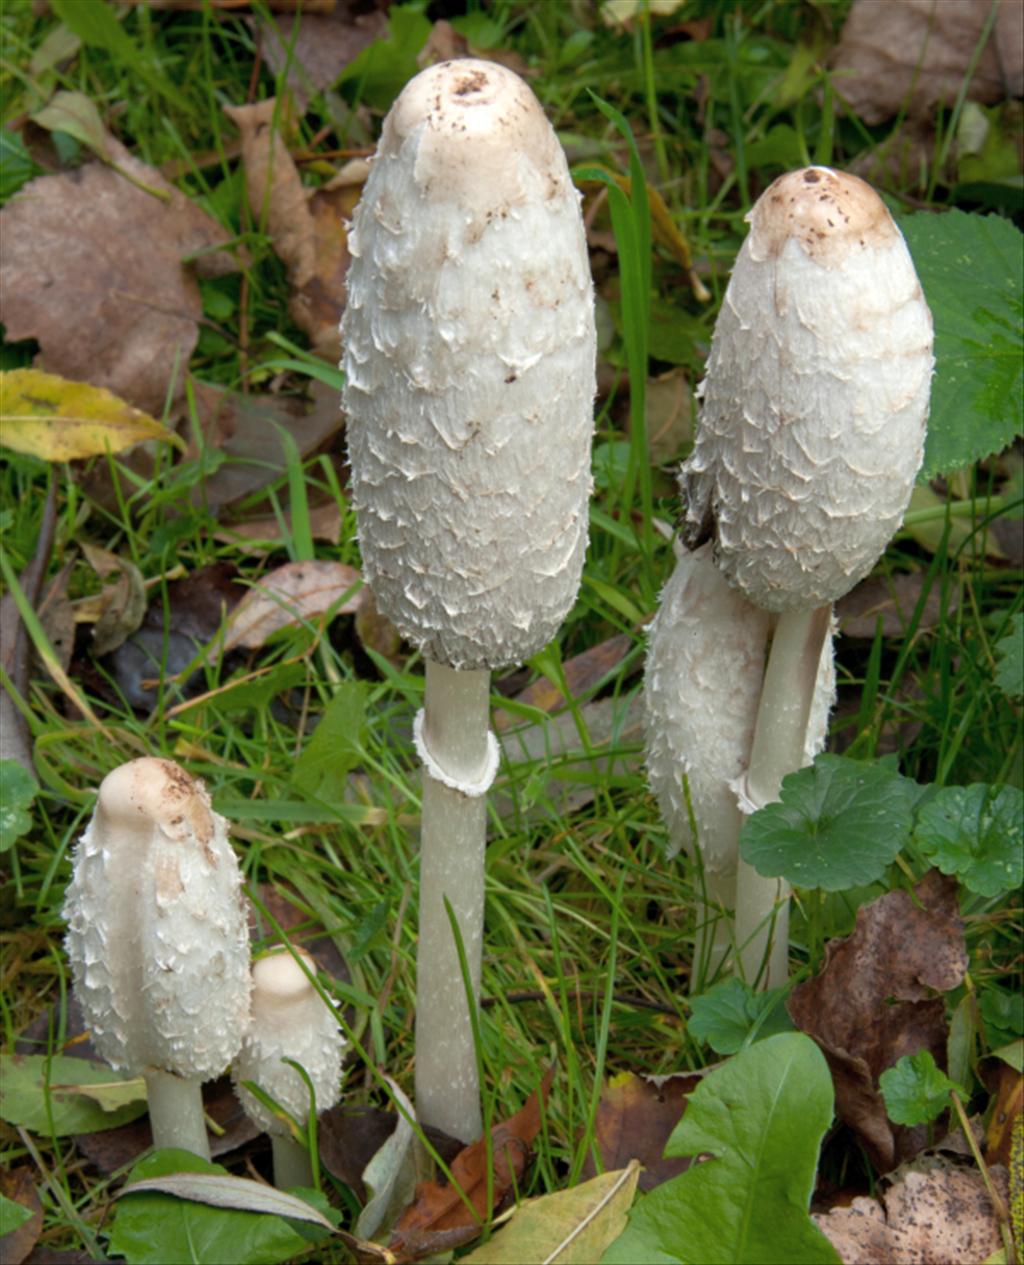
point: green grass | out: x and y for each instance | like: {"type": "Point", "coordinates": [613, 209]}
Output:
{"type": "Point", "coordinates": [589, 929]}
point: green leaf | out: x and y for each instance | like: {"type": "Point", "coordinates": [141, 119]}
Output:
{"type": "Point", "coordinates": [240, 1193]}
{"type": "Point", "coordinates": [731, 1014]}
{"type": "Point", "coordinates": [915, 1090]}
{"type": "Point", "coordinates": [1010, 651]}
{"type": "Point", "coordinates": [977, 834]}
{"type": "Point", "coordinates": [1012, 1054]}
{"type": "Point", "coordinates": [969, 266]}
{"type": "Point", "coordinates": [76, 115]}
{"type": "Point", "coordinates": [158, 1229]}
{"type": "Point", "coordinates": [336, 745]}
{"type": "Point", "coordinates": [12, 1215]}
{"type": "Point", "coordinates": [1003, 1013]}
{"type": "Point", "coordinates": [28, 1081]}
{"type": "Point", "coordinates": [838, 825]}
{"type": "Point", "coordinates": [18, 789]}
{"type": "Point", "coordinates": [572, 1227]}
{"type": "Point", "coordinates": [16, 164]}
{"type": "Point", "coordinates": [762, 1117]}
{"type": "Point", "coordinates": [380, 72]}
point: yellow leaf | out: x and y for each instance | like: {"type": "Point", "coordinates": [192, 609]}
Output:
{"type": "Point", "coordinates": [57, 420]}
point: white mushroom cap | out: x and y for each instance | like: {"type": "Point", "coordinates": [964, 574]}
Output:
{"type": "Point", "coordinates": [289, 1021]}
{"type": "Point", "coordinates": [702, 685]}
{"type": "Point", "coordinates": [157, 932]}
{"type": "Point", "coordinates": [816, 396]}
{"type": "Point", "coordinates": [469, 357]}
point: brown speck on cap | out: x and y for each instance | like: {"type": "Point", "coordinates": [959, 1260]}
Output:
{"type": "Point", "coordinates": [829, 213]}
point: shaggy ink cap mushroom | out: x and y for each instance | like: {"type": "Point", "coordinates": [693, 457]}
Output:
{"type": "Point", "coordinates": [290, 1020]}
{"type": "Point", "coordinates": [469, 358]}
{"type": "Point", "coordinates": [815, 401]}
{"type": "Point", "coordinates": [158, 941]}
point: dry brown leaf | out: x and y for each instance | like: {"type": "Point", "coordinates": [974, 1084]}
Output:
{"type": "Point", "coordinates": [321, 49]}
{"type": "Point", "coordinates": [266, 533]}
{"type": "Point", "coordinates": [669, 415]}
{"type": "Point", "coordinates": [875, 999]}
{"type": "Point", "coordinates": [917, 52]}
{"type": "Point", "coordinates": [118, 609]}
{"type": "Point", "coordinates": [317, 304]}
{"type": "Point", "coordinates": [942, 1214]}
{"type": "Point", "coordinates": [439, 1219]}
{"type": "Point", "coordinates": [375, 632]}
{"type": "Point", "coordinates": [17, 1185]}
{"type": "Point", "coordinates": [582, 672]}
{"type": "Point", "coordinates": [893, 601]}
{"type": "Point", "coordinates": [292, 593]}
{"type": "Point", "coordinates": [1007, 1113]}
{"type": "Point", "coordinates": [91, 267]}
{"type": "Point", "coordinates": [635, 1118]}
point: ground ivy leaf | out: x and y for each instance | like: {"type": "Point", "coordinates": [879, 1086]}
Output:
{"type": "Point", "coordinates": [762, 1116]}
{"type": "Point", "coordinates": [969, 266]}
{"type": "Point", "coordinates": [838, 825]}
{"type": "Point", "coordinates": [12, 1215]}
{"type": "Point", "coordinates": [1010, 650]}
{"type": "Point", "coordinates": [157, 1229]}
{"type": "Point", "coordinates": [18, 788]}
{"type": "Point", "coordinates": [977, 834]}
{"type": "Point", "coordinates": [725, 1015]}
{"type": "Point", "coordinates": [915, 1090]}
{"type": "Point", "coordinates": [27, 1080]}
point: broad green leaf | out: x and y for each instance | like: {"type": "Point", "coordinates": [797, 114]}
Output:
{"type": "Point", "coordinates": [380, 72]}
{"type": "Point", "coordinates": [1013, 1054]}
{"type": "Point", "coordinates": [58, 420]}
{"type": "Point", "coordinates": [726, 1015]}
{"type": "Point", "coordinates": [336, 745]}
{"type": "Point", "coordinates": [969, 266]}
{"type": "Point", "coordinates": [1010, 651]}
{"type": "Point", "coordinates": [1003, 1013]}
{"type": "Point", "coordinates": [159, 1229]}
{"type": "Point", "coordinates": [915, 1090]}
{"type": "Point", "coordinates": [16, 164]}
{"type": "Point", "coordinates": [977, 834]}
{"type": "Point", "coordinates": [838, 825]}
{"type": "Point", "coordinates": [18, 788]}
{"type": "Point", "coordinates": [391, 1175]}
{"type": "Point", "coordinates": [27, 1081]}
{"type": "Point", "coordinates": [241, 1193]}
{"type": "Point", "coordinates": [77, 115]}
{"type": "Point", "coordinates": [569, 1227]}
{"type": "Point", "coordinates": [761, 1116]}
{"type": "Point", "coordinates": [12, 1215]}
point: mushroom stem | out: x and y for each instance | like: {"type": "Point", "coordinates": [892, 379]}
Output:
{"type": "Point", "coordinates": [460, 758]}
{"type": "Point", "coordinates": [176, 1112]}
{"type": "Point", "coordinates": [292, 1166]}
{"type": "Point", "coordinates": [778, 748]}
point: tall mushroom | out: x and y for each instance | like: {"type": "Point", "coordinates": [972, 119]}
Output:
{"type": "Point", "coordinates": [811, 434]}
{"type": "Point", "coordinates": [289, 1020]}
{"type": "Point", "coordinates": [702, 683]}
{"type": "Point", "coordinates": [158, 941]}
{"type": "Point", "coordinates": [469, 348]}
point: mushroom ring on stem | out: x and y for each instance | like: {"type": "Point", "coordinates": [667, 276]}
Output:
{"type": "Point", "coordinates": [158, 940]}
{"type": "Point", "coordinates": [469, 358]}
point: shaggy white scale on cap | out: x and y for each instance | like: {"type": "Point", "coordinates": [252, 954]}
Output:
{"type": "Point", "coordinates": [157, 935]}
{"type": "Point", "coordinates": [702, 686]}
{"type": "Point", "coordinates": [289, 1021]}
{"type": "Point", "coordinates": [815, 401]}
{"type": "Point", "coordinates": [470, 369]}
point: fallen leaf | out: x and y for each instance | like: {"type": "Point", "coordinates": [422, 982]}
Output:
{"type": "Point", "coordinates": [582, 672]}
{"type": "Point", "coordinates": [77, 115]}
{"type": "Point", "coordinates": [390, 1176]}
{"type": "Point", "coordinates": [269, 533]}
{"type": "Point", "coordinates": [17, 1185]}
{"type": "Point", "coordinates": [635, 1118]}
{"type": "Point", "coordinates": [292, 593]}
{"type": "Point", "coordinates": [892, 599]}
{"type": "Point", "coordinates": [91, 267]}
{"type": "Point", "coordinates": [916, 54]}
{"type": "Point", "coordinates": [313, 56]}
{"type": "Point", "coordinates": [350, 1137]}
{"type": "Point", "coordinates": [54, 419]}
{"type": "Point", "coordinates": [1007, 1115]}
{"type": "Point", "coordinates": [375, 632]}
{"type": "Point", "coordinates": [439, 1218]}
{"type": "Point", "coordinates": [571, 1227]}
{"type": "Point", "coordinates": [122, 605]}
{"type": "Point", "coordinates": [875, 999]}
{"type": "Point", "coordinates": [941, 1214]}
{"type": "Point", "coordinates": [244, 428]}
{"type": "Point", "coordinates": [669, 411]}
{"type": "Point", "coordinates": [317, 303]}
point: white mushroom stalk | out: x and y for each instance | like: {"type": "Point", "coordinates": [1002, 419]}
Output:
{"type": "Point", "coordinates": [290, 1020]}
{"type": "Point", "coordinates": [702, 684]}
{"type": "Point", "coordinates": [158, 942]}
{"type": "Point", "coordinates": [811, 434]}
{"type": "Point", "coordinates": [469, 358]}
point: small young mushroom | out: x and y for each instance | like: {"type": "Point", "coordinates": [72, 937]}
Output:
{"type": "Point", "coordinates": [290, 1020]}
{"type": "Point", "coordinates": [702, 683]}
{"type": "Point", "coordinates": [811, 434]}
{"type": "Point", "coordinates": [469, 357]}
{"type": "Point", "coordinates": [158, 942]}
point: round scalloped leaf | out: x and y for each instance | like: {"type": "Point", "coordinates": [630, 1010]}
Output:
{"type": "Point", "coordinates": [915, 1089]}
{"type": "Point", "coordinates": [977, 834]}
{"type": "Point", "coordinates": [838, 825]}
{"type": "Point", "coordinates": [969, 266]}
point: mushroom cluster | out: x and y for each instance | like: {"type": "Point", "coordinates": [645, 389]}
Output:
{"type": "Point", "coordinates": [469, 358]}
{"type": "Point", "coordinates": [811, 433]}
